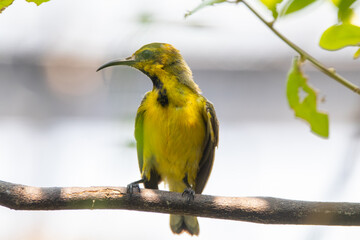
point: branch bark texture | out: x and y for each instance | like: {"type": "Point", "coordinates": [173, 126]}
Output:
{"type": "Point", "coordinates": [266, 210]}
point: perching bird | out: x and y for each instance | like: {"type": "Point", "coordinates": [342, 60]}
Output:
{"type": "Point", "coordinates": [176, 128]}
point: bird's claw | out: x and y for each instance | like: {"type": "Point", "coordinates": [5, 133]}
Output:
{"type": "Point", "coordinates": [130, 188]}
{"type": "Point", "coordinates": [189, 193]}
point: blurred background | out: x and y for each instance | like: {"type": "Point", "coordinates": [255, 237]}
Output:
{"type": "Point", "coordinates": [63, 124]}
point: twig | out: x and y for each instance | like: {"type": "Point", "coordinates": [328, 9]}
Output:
{"type": "Point", "coordinates": [328, 71]}
{"type": "Point", "coordinates": [265, 210]}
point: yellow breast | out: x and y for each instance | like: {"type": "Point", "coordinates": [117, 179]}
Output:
{"type": "Point", "coordinates": [173, 137]}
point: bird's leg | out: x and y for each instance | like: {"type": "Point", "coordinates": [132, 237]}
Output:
{"type": "Point", "coordinates": [189, 193]}
{"type": "Point", "coordinates": [130, 187]}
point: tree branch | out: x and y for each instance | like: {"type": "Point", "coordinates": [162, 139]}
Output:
{"type": "Point", "coordinates": [265, 210]}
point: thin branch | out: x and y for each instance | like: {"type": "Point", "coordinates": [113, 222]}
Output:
{"type": "Point", "coordinates": [328, 71]}
{"type": "Point", "coordinates": [265, 210]}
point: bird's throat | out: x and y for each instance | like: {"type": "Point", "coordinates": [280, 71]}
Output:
{"type": "Point", "coordinates": [162, 98]}
{"type": "Point", "coordinates": [169, 90]}
{"type": "Point", "coordinates": [157, 83]}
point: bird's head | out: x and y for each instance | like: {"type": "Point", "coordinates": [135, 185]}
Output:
{"type": "Point", "coordinates": [159, 61]}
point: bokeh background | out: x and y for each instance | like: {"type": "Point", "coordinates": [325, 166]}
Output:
{"type": "Point", "coordinates": [63, 124]}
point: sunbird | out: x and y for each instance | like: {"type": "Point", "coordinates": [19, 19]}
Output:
{"type": "Point", "coordinates": [176, 128]}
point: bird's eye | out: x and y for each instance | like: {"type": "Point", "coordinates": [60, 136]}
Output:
{"type": "Point", "coordinates": [146, 54]}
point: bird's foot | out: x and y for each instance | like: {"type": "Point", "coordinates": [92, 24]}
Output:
{"type": "Point", "coordinates": [134, 185]}
{"type": "Point", "coordinates": [189, 193]}
{"type": "Point", "coordinates": [130, 188]}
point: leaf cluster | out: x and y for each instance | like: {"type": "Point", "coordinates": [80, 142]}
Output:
{"type": "Point", "coordinates": [5, 3]}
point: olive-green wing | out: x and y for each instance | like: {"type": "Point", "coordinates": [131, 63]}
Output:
{"type": "Point", "coordinates": [139, 137]}
{"type": "Point", "coordinates": [154, 180]}
{"type": "Point", "coordinates": [211, 141]}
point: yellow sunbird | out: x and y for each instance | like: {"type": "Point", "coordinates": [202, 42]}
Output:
{"type": "Point", "coordinates": [176, 128]}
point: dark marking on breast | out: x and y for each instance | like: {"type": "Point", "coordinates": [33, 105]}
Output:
{"type": "Point", "coordinates": [163, 98]}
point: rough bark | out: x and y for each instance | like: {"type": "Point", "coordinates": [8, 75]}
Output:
{"type": "Point", "coordinates": [266, 210]}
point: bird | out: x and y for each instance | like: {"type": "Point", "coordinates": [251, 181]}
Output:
{"type": "Point", "coordinates": [176, 128]}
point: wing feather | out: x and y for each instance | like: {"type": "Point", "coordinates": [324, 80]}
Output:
{"type": "Point", "coordinates": [139, 137]}
{"type": "Point", "coordinates": [154, 180]}
{"type": "Point", "coordinates": [210, 142]}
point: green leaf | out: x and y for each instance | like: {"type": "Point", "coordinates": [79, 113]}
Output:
{"type": "Point", "coordinates": [340, 36]}
{"type": "Point", "coordinates": [345, 13]}
{"type": "Point", "coordinates": [295, 5]}
{"type": "Point", "coordinates": [203, 4]}
{"type": "Point", "coordinates": [305, 107]}
{"type": "Point", "coordinates": [345, 4]}
{"type": "Point", "coordinates": [357, 54]}
{"type": "Point", "coordinates": [336, 2]}
{"type": "Point", "coordinates": [38, 2]}
{"type": "Point", "coordinates": [4, 4]}
{"type": "Point", "coordinates": [271, 5]}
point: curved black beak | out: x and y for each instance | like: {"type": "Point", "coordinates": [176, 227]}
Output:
{"type": "Point", "coordinates": [129, 61]}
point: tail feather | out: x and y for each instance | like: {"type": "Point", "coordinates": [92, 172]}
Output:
{"type": "Point", "coordinates": [189, 224]}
